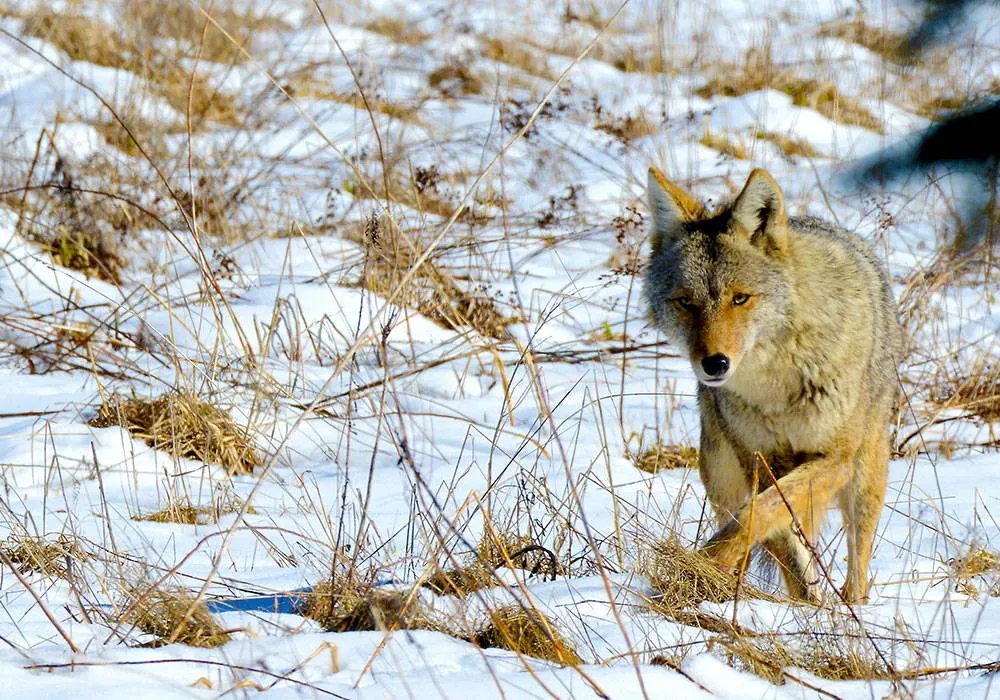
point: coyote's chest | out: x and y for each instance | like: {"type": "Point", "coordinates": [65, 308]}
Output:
{"type": "Point", "coordinates": [804, 420]}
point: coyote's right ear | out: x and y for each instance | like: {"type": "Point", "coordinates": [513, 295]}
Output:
{"type": "Point", "coordinates": [671, 207]}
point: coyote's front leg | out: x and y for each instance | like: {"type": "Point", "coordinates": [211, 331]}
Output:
{"type": "Point", "coordinates": [799, 499]}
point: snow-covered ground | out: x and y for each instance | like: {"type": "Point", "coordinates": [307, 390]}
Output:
{"type": "Point", "coordinates": [394, 443]}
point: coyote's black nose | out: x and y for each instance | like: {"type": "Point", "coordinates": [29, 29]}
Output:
{"type": "Point", "coordinates": [715, 365]}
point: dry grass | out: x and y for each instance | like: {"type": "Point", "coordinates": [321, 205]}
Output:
{"type": "Point", "coordinates": [661, 457]}
{"type": "Point", "coordinates": [494, 551]}
{"type": "Point", "coordinates": [455, 79]}
{"type": "Point", "coordinates": [518, 55]}
{"type": "Point", "coordinates": [81, 37]}
{"type": "Point", "coordinates": [153, 43]}
{"type": "Point", "coordinates": [183, 512]}
{"type": "Point", "coordinates": [48, 557]}
{"type": "Point", "coordinates": [527, 632]}
{"type": "Point", "coordinates": [792, 147]}
{"type": "Point", "coordinates": [759, 72]}
{"type": "Point", "coordinates": [978, 564]}
{"type": "Point", "coordinates": [627, 128]}
{"type": "Point", "coordinates": [190, 31]}
{"type": "Point", "coordinates": [724, 145]}
{"type": "Point", "coordinates": [185, 426]}
{"type": "Point", "coordinates": [974, 392]}
{"type": "Point", "coordinates": [354, 607]}
{"type": "Point", "coordinates": [888, 45]}
{"type": "Point", "coordinates": [826, 654]}
{"type": "Point", "coordinates": [389, 255]}
{"type": "Point", "coordinates": [171, 615]}
{"type": "Point", "coordinates": [303, 85]}
{"type": "Point", "coordinates": [683, 578]}
{"type": "Point", "coordinates": [85, 250]}
{"type": "Point", "coordinates": [398, 29]}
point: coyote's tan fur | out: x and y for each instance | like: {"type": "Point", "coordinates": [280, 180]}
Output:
{"type": "Point", "coordinates": [792, 331]}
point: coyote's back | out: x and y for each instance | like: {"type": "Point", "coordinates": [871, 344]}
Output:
{"type": "Point", "coordinates": [792, 332]}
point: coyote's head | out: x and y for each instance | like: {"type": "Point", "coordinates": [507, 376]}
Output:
{"type": "Point", "coordinates": [718, 284]}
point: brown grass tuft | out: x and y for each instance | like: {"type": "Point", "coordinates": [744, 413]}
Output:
{"type": "Point", "coordinates": [661, 457]}
{"type": "Point", "coordinates": [171, 615]}
{"type": "Point", "coordinates": [627, 128]}
{"type": "Point", "coordinates": [792, 147]}
{"type": "Point", "coordinates": [888, 45]}
{"type": "Point", "coordinates": [80, 37]}
{"type": "Point", "coordinates": [827, 655]}
{"type": "Point", "coordinates": [44, 556]}
{"type": "Point", "coordinates": [494, 551]}
{"type": "Point", "coordinates": [975, 391]}
{"type": "Point", "coordinates": [455, 80]}
{"type": "Point", "coordinates": [758, 72]}
{"type": "Point", "coordinates": [976, 564]}
{"type": "Point", "coordinates": [398, 29]}
{"type": "Point", "coordinates": [184, 512]}
{"type": "Point", "coordinates": [518, 55]}
{"type": "Point", "coordinates": [185, 426]}
{"type": "Point", "coordinates": [683, 578]}
{"type": "Point", "coordinates": [526, 632]}
{"type": "Point", "coordinates": [358, 608]}
{"type": "Point", "coordinates": [390, 253]}
{"type": "Point", "coordinates": [188, 30]}
{"type": "Point", "coordinates": [724, 145]}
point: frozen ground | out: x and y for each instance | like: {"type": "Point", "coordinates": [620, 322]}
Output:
{"type": "Point", "coordinates": [393, 442]}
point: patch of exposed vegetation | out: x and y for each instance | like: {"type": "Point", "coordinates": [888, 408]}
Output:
{"type": "Point", "coordinates": [975, 392]}
{"type": "Point", "coordinates": [183, 512]}
{"type": "Point", "coordinates": [976, 564]}
{"type": "Point", "coordinates": [827, 655]}
{"type": "Point", "coordinates": [684, 578]}
{"type": "Point", "coordinates": [759, 72]}
{"type": "Point", "coordinates": [627, 128]}
{"type": "Point", "coordinates": [724, 145]}
{"type": "Point", "coordinates": [48, 557]}
{"type": "Point", "coordinates": [518, 55]}
{"type": "Point", "coordinates": [398, 29]}
{"type": "Point", "coordinates": [349, 606]}
{"type": "Point", "coordinates": [661, 457]}
{"type": "Point", "coordinates": [528, 632]}
{"type": "Point", "coordinates": [184, 425]}
{"type": "Point", "coordinates": [792, 147]}
{"type": "Point", "coordinates": [173, 616]}
{"type": "Point", "coordinates": [888, 45]}
{"type": "Point", "coordinates": [494, 551]}
{"type": "Point", "coordinates": [455, 80]}
{"type": "Point", "coordinates": [389, 255]}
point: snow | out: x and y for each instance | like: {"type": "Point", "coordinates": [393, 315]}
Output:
{"type": "Point", "coordinates": [391, 438]}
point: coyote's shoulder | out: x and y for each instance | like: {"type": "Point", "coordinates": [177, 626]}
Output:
{"type": "Point", "coordinates": [791, 329]}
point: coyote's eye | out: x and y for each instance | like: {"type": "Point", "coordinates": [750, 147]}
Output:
{"type": "Point", "coordinates": [685, 303]}
{"type": "Point", "coordinates": [739, 299]}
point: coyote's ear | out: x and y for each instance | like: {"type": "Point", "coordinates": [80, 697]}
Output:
{"type": "Point", "coordinates": [671, 207]}
{"type": "Point", "coordinates": [760, 211]}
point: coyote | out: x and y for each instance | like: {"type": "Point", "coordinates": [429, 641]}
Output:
{"type": "Point", "coordinates": [792, 332]}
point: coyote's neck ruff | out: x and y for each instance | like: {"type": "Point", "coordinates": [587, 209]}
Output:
{"type": "Point", "coordinates": [791, 330]}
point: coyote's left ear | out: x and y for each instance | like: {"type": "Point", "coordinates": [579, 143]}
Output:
{"type": "Point", "coordinates": [671, 207]}
{"type": "Point", "coordinates": [760, 211]}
